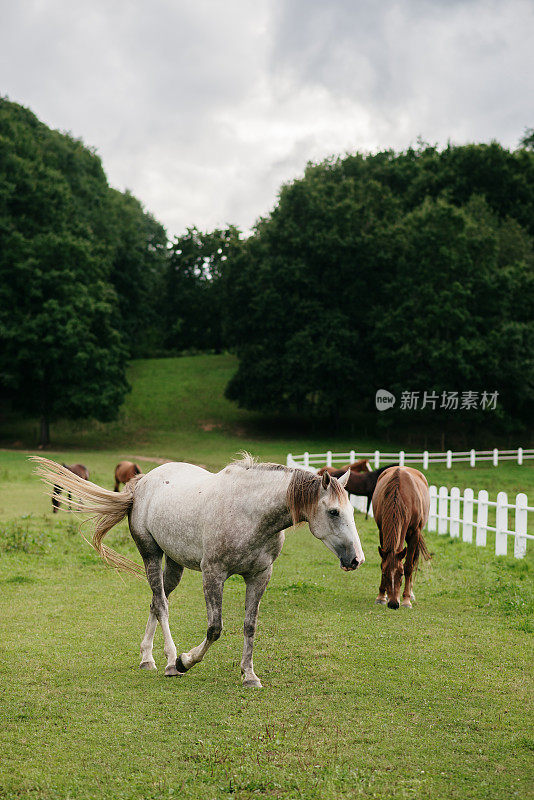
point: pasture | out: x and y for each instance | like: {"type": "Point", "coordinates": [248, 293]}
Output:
{"type": "Point", "coordinates": [358, 700]}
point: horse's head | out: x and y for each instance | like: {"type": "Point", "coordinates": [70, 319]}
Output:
{"type": "Point", "coordinates": [332, 521]}
{"type": "Point", "coordinates": [392, 572]}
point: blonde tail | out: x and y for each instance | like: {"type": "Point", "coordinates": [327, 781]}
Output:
{"type": "Point", "coordinates": [105, 507]}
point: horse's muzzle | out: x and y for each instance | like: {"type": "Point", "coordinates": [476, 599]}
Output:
{"type": "Point", "coordinates": [354, 564]}
{"type": "Point", "coordinates": [393, 604]}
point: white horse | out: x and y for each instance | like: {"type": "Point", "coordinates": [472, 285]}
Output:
{"type": "Point", "coordinates": [222, 524]}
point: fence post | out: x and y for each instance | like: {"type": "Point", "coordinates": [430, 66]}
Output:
{"type": "Point", "coordinates": [442, 509]}
{"type": "Point", "coordinates": [401, 458]}
{"type": "Point", "coordinates": [472, 458]}
{"type": "Point", "coordinates": [482, 518]}
{"type": "Point", "coordinates": [352, 456]}
{"type": "Point", "coordinates": [306, 460]}
{"type": "Point", "coordinates": [449, 459]}
{"type": "Point", "coordinates": [377, 459]}
{"type": "Point", "coordinates": [425, 459]}
{"type": "Point", "coordinates": [495, 457]}
{"type": "Point", "coordinates": [432, 511]}
{"type": "Point", "coordinates": [455, 512]}
{"type": "Point", "coordinates": [501, 524]}
{"type": "Point", "coordinates": [467, 532]}
{"type": "Point", "coordinates": [328, 458]}
{"type": "Point", "coordinates": [519, 455]}
{"type": "Point", "coordinates": [520, 542]}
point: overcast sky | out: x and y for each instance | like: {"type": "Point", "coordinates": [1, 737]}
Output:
{"type": "Point", "coordinates": [202, 108]}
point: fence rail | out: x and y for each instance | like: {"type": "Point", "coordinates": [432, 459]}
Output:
{"type": "Point", "coordinates": [454, 513]}
{"type": "Point", "coordinates": [378, 458]}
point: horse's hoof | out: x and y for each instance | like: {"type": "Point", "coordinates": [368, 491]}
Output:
{"type": "Point", "coordinates": [380, 601]}
{"type": "Point", "coordinates": [147, 665]}
{"type": "Point", "coordinates": [252, 683]}
{"type": "Point", "coordinates": [412, 597]}
{"type": "Point", "coordinates": [406, 603]}
{"type": "Point", "coordinates": [180, 666]}
{"type": "Point", "coordinates": [171, 671]}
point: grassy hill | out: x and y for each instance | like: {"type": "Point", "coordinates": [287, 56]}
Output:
{"type": "Point", "coordinates": [359, 701]}
{"type": "Point", "coordinates": [177, 410]}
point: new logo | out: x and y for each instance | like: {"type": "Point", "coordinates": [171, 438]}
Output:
{"type": "Point", "coordinates": [384, 400]}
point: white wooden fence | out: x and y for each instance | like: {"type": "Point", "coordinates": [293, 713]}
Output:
{"type": "Point", "coordinates": [454, 513]}
{"type": "Point", "coordinates": [467, 516]}
{"type": "Point", "coordinates": [377, 458]}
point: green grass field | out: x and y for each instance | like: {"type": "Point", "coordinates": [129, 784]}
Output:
{"type": "Point", "coordinates": [359, 701]}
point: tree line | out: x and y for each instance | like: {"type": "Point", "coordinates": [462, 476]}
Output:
{"type": "Point", "coordinates": [403, 271]}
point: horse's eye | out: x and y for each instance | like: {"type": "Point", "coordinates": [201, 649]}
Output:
{"type": "Point", "coordinates": [334, 512]}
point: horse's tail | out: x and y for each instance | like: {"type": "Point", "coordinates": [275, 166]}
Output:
{"type": "Point", "coordinates": [395, 515]}
{"type": "Point", "coordinates": [421, 549]}
{"type": "Point", "coordinates": [107, 508]}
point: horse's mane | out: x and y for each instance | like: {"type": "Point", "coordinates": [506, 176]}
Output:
{"type": "Point", "coordinates": [303, 494]}
{"type": "Point", "coordinates": [394, 513]}
{"type": "Point", "coordinates": [304, 487]}
{"type": "Point", "coordinates": [248, 461]}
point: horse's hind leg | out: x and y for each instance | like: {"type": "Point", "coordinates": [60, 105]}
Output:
{"type": "Point", "coordinates": [409, 565]}
{"type": "Point", "coordinates": [256, 586]}
{"type": "Point", "coordinates": [159, 607]}
{"type": "Point", "coordinates": [55, 500]}
{"type": "Point", "coordinates": [213, 582]}
{"type": "Point", "coordinates": [171, 578]}
{"type": "Point", "coordinates": [172, 575]}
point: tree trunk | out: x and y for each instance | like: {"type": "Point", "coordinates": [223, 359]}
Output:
{"type": "Point", "coordinates": [44, 438]}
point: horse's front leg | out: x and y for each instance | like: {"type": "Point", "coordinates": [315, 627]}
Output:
{"type": "Point", "coordinates": [256, 586]}
{"type": "Point", "coordinates": [213, 583]}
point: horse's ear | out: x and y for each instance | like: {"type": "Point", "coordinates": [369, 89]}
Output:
{"type": "Point", "coordinates": [344, 478]}
{"type": "Point", "coordinates": [325, 480]}
{"type": "Point", "coordinates": [402, 553]}
{"type": "Point", "coordinates": [381, 553]}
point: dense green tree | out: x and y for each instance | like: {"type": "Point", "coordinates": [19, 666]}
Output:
{"type": "Point", "coordinates": [138, 261]}
{"type": "Point", "coordinates": [458, 305]}
{"type": "Point", "coordinates": [410, 270]}
{"type": "Point", "coordinates": [78, 267]}
{"type": "Point", "coordinates": [301, 287]}
{"type": "Point", "coordinates": [59, 353]}
{"type": "Point", "coordinates": [193, 293]}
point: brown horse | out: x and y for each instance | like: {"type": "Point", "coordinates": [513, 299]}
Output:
{"type": "Point", "coordinates": [124, 472]}
{"type": "Point", "coordinates": [400, 502]}
{"type": "Point", "coordinates": [81, 471]}
{"type": "Point", "coordinates": [360, 483]}
{"type": "Point", "coordinates": [357, 466]}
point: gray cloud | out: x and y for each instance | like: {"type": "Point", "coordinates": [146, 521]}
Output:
{"type": "Point", "coordinates": [204, 108]}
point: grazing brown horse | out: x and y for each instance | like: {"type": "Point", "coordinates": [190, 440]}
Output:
{"type": "Point", "coordinates": [400, 502]}
{"type": "Point", "coordinates": [360, 483]}
{"type": "Point", "coordinates": [357, 466]}
{"type": "Point", "coordinates": [81, 472]}
{"type": "Point", "coordinates": [124, 472]}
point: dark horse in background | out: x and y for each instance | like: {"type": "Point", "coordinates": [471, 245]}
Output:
{"type": "Point", "coordinates": [360, 483]}
{"type": "Point", "coordinates": [357, 466]}
{"type": "Point", "coordinates": [400, 502]}
{"type": "Point", "coordinates": [124, 472]}
{"type": "Point", "coordinates": [78, 469]}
